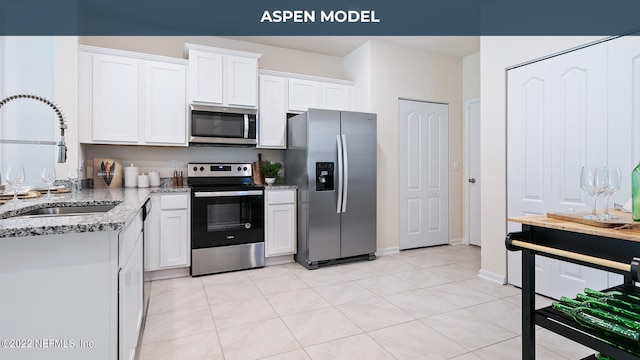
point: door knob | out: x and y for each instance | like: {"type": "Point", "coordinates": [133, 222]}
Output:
{"type": "Point", "coordinates": [472, 180]}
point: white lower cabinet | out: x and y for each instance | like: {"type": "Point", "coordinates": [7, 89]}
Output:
{"type": "Point", "coordinates": [169, 232]}
{"type": "Point", "coordinates": [130, 283]}
{"type": "Point", "coordinates": [280, 222]}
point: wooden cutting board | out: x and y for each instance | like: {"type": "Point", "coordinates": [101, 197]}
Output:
{"type": "Point", "coordinates": [256, 173]}
{"type": "Point", "coordinates": [622, 219]}
{"type": "Point", "coordinates": [28, 195]}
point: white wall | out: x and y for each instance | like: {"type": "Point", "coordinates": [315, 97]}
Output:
{"type": "Point", "coordinates": [401, 72]}
{"type": "Point", "coordinates": [357, 65]}
{"type": "Point", "coordinates": [471, 77]}
{"type": "Point", "coordinates": [497, 54]}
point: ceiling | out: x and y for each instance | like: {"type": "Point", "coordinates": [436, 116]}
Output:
{"type": "Point", "coordinates": [458, 46]}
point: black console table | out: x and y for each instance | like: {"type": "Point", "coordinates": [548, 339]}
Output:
{"type": "Point", "coordinates": [614, 250]}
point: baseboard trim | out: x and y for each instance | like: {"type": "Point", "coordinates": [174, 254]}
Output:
{"type": "Point", "coordinates": [278, 260]}
{"type": "Point", "coordinates": [167, 274]}
{"type": "Point", "coordinates": [491, 276]}
{"type": "Point", "coordinates": [387, 251]}
{"type": "Point", "coordinates": [459, 241]}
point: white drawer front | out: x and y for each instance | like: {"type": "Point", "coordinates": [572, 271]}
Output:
{"type": "Point", "coordinates": [281, 197]}
{"type": "Point", "coordinates": [179, 201]}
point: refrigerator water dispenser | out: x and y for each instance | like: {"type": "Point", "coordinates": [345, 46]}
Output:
{"type": "Point", "coordinates": [324, 176]}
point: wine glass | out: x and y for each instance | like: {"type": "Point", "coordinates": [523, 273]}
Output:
{"type": "Point", "coordinates": [15, 177]}
{"type": "Point", "coordinates": [48, 177]}
{"type": "Point", "coordinates": [615, 182]}
{"type": "Point", "coordinates": [594, 181]}
{"type": "Point", "coordinates": [72, 175]}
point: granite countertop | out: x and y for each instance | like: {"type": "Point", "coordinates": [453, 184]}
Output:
{"type": "Point", "coordinates": [128, 201]}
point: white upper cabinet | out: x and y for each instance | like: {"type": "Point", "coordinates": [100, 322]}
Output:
{"type": "Point", "coordinates": [336, 96]}
{"type": "Point", "coordinates": [241, 81]}
{"type": "Point", "coordinates": [282, 93]}
{"type": "Point", "coordinates": [165, 103]}
{"type": "Point", "coordinates": [132, 98]}
{"type": "Point", "coordinates": [113, 98]}
{"type": "Point", "coordinates": [303, 95]}
{"type": "Point", "coordinates": [306, 94]}
{"type": "Point", "coordinates": [272, 127]}
{"type": "Point", "coordinates": [205, 76]}
{"type": "Point", "coordinates": [222, 77]}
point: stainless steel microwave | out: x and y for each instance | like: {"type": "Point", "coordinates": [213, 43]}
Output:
{"type": "Point", "coordinates": [218, 125]}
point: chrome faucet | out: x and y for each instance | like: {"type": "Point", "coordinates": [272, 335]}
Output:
{"type": "Point", "coordinates": [61, 147]}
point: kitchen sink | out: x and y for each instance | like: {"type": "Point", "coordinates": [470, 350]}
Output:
{"type": "Point", "coordinates": [67, 211]}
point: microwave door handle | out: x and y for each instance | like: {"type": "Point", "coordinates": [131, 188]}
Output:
{"type": "Point", "coordinates": [246, 126]}
{"type": "Point", "coordinates": [339, 142]}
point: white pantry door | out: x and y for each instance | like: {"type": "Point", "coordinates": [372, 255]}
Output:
{"type": "Point", "coordinates": [423, 173]}
{"type": "Point", "coordinates": [472, 111]}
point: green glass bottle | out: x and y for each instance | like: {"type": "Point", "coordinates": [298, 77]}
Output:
{"type": "Point", "coordinates": [614, 302]}
{"type": "Point", "coordinates": [592, 318]}
{"type": "Point", "coordinates": [635, 193]}
{"type": "Point", "coordinates": [601, 356]}
{"type": "Point", "coordinates": [613, 294]}
{"type": "Point", "coordinates": [626, 318]}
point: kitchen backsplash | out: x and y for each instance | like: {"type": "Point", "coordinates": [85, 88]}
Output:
{"type": "Point", "coordinates": [165, 159]}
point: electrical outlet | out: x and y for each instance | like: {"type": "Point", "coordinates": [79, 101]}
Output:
{"type": "Point", "coordinates": [174, 164]}
{"type": "Point", "coordinates": [456, 165]}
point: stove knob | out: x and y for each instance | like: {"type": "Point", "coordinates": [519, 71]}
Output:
{"type": "Point", "coordinates": [195, 168]}
{"type": "Point", "coordinates": [239, 168]}
{"type": "Point", "coordinates": [244, 168]}
{"type": "Point", "coordinates": [201, 168]}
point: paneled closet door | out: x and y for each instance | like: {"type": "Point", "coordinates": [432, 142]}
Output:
{"type": "Point", "coordinates": [578, 123]}
{"type": "Point", "coordinates": [624, 110]}
{"type": "Point", "coordinates": [529, 159]}
{"type": "Point", "coordinates": [557, 122]}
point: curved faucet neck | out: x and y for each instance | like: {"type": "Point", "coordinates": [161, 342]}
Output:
{"type": "Point", "coordinates": [61, 146]}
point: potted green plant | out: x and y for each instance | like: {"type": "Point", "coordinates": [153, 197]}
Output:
{"type": "Point", "coordinates": [270, 170]}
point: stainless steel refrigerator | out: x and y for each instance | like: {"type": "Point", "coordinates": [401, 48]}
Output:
{"type": "Point", "coordinates": [331, 157]}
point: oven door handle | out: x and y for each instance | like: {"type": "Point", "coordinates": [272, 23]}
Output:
{"type": "Point", "coordinates": [204, 194]}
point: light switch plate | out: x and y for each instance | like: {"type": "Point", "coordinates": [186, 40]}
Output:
{"type": "Point", "coordinates": [456, 165]}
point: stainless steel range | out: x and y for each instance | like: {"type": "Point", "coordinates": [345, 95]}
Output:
{"type": "Point", "coordinates": [227, 218]}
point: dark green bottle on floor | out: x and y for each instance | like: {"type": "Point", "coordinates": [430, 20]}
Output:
{"type": "Point", "coordinates": [635, 193]}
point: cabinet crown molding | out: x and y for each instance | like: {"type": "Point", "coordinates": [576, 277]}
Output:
{"type": "Point", "coordinates": [305, 77]}
{"type": "Point", "coordinates": [131, 54]}
{"type": "Point", "coordinates": [188, 46]}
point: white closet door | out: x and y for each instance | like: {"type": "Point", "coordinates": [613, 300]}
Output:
{"type": "Point", "coordinates": [557, 122]}
{"type": "Point", "coordinates": [578, 123]}
{"type": "Point", "coordinates": [624, 110]}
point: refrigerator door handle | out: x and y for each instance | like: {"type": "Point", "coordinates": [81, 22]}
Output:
{"type": "Point", "coordinates": [345, 181]}
{"type": "Point", "coordinates": [340, 176]}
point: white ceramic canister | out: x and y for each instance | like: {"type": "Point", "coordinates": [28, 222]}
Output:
{"type": "Point", "coordinates": [154, 178]}
{"type": "Point", "coordinates": [143, 181]}
{"type": "Point", "coordinates": [130, 176]}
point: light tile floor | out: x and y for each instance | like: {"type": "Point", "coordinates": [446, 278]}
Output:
{"type": "Point", "coordinates": [419, 304]}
